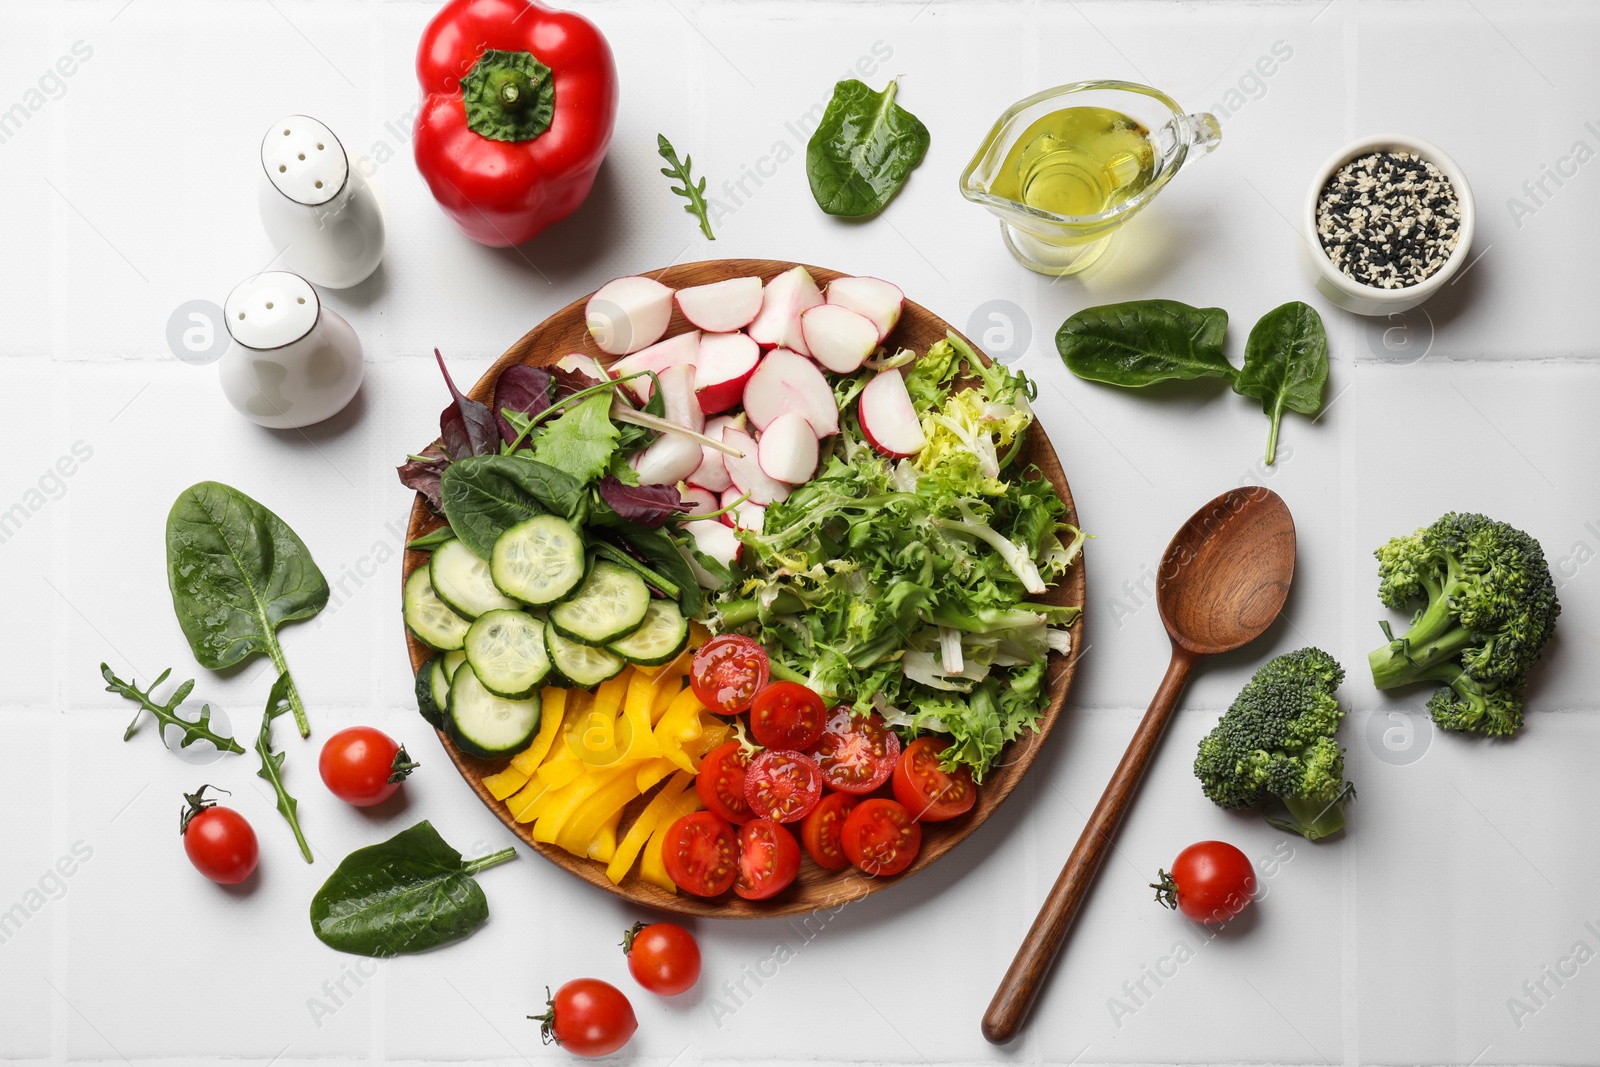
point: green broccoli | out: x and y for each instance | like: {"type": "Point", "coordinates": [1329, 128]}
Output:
{"type": "Point", "coordinates": [1274, 747]}
{"type": "Point", "coordinates": [1488, 608]}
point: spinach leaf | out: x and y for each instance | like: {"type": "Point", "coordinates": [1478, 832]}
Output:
{"type": "Point", "coordinates": [1285, 365]}
{"type": "Point", "coordinates": [581, 441]}
{"type": "Point", "coordinates": [272, 763]}
{"type": "Point", "coordinates": [1145, 341]}
{"type": "Point", "coordinates": [237, 573]}
{"type": "Point", "coordinates": [167, 714]}
{"type": "Point", "coordinates": [432, 539]}
{"type": "Point", "coordinates": [863, 150]}
{"type": "Point", "coordinates": [410, 893]}
{"type": "Point", "coordinates": [484, 496]}
{"type": "Point", "coordinates": [661, 552]}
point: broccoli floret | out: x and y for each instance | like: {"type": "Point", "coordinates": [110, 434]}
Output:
{"type": "Point", "coordinates": [1274, 747]}
{"type": "Point", "coordinates": [1488, 607]}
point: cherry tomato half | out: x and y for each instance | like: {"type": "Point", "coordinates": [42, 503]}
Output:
{"type": "Point", "coordinates": [931, 793]}
{"type": "Point", "coordinates": [787, 715]}
{"type": "Point", "coordinates": [363, 766]}
{"type": "Point", "coordinates": [856, 752]}
{"type": "Point", "coordinates": [588, 1017]}
{"type": "Point", "coordinates": [768, 859]}
{"type": "Point", "coordinates": [822, 829]}
{"type": "Point", "coordinates": [782, 785]}
{"type": "Point", "coordinates": [727, 673]}
{"type": "Point", "coordinates": [1211, 882]}
{"type": "Point", "coordinates": [662, 957]}
{"type": "Point", "coordinates": [720, 783]}
{"type": "Point", "coordinates": [881, 837]}
{"type": "Point", "coordinates": [218, 841]}
{"type": "Point", "coordinates": [701, 854]}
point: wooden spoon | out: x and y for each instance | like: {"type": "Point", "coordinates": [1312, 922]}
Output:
{"type": "Point", "coordinates": [1222, 582]}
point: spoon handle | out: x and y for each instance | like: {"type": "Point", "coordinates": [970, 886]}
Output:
{"type": "Point", "coordinates": [1012, 1001]}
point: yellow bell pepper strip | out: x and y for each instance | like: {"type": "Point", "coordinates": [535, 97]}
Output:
{"type": "Point", "coordinates": [569, 798]}
{"type": "Point", "coordinates": [652, 772]}
{"type": "Point", "coordinates": [652, 868]}
{"type": "Point", "coordinates": [525, 805]}
{"type": "Point", "coordinates": [604, 845]}
{"type": "Point", "coordinates": [645, 825]}
{"type": "Point", "coordinates": [606, 802]}
{"type": "Point", "coordinates": [608, 698]}
{"type": "Point", "coordinates": [504, 783]}
{"type": "Point", "coordinates": [680, 724]}
{"type": "Point", "coordinates": [553, 702]}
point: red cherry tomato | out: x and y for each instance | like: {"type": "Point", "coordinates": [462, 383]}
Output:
{"type": "Point", "coordinates": [720, 783]}
{"type": "Point", "coordinates": [822, 830]}
{"type": "Point", "coordinates": [588, 1017]}
{"type": "Point", "coordinates": [856, 752]}
{"type": "Point", "coordinates": [701, 854]}
{"type": "Point", "coordinates": [782, 785]}
{"type": "Point", "coordinates": [768, 859]}
{"type": "Point", "coordinates": [931, 793]}
{"type": "Point", "coordinates": [363, 766]}
{"type": "Point", "coordinates": [787, 715]}
{"type": "Point", "coordinates": [727, 673]}
{"type": "Point", "coordinates": [218, 841]}
{"type": "Point", "coordinates": [1211, 882]}
{"type": "Point", "coordinates": [881, 837]}
{"type": "Point", "coordinates": [662, 957]}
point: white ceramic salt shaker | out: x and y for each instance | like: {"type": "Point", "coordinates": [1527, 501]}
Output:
{"type": "Point", "coordinates": [316, 207]}
{"type": "Point", "coordinates": [292, 362]}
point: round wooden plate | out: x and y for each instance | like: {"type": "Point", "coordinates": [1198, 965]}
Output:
{"type": "Point", "coordinates": [815, 888]}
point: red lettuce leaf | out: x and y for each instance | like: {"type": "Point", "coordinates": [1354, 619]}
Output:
{"type": "Point", "coordinates": [520, 388]}
{"type": "Point", "coordinates": [466, 427]}
{"type": "Point", "coordinates": [423, 475]}
{"type": "Point", "coordinates": [647, 505]}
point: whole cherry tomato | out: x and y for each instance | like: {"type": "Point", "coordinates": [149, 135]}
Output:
{"type": "Point", "coordinates": [662, 957]}
{"type": "Point", "coordinates": [1211, 882]}
{"type": "Point", "coordinates": [363, 766]}
{"type": "Point", "coordinates": [218, 841]}
{"type": "Point", "coordinates": [588, 1017]}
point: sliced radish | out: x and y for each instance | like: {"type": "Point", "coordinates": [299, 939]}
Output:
{"type": "Point", "coordinates": [668, 460]}
{"type": "Point", "coordinates": [676, 351]}
{"type": "Point", "coordinates": [712, 473]}
{"type": "Point", "coordinates": [700, 501]}
{"type": "Point", "coordinates": [721, 307]}
{"type": "Point", "coordinates": [724, 364]}
{"type": "Point", "coordinates": [782, 302]}
{"type": "Point", "coordinates": [714, 540]}
{"type": "Point", "coordinates": [678, 399]}
{"type": "Point", "coordinates": [786, 381]}
{"type": "Point", "coordinates": [888, 418]}
{"type": "Point", "coordinates": [627, 314]}
{"type": "Point", "coordinates": [875, 298]}
{"type": "Point", "coordinates": [787, 450]}
{"type": "Point", "coordinates": [838, 338]}
{"type": "Point", "coordinates": [746, 514]}
{"type": "Point", "coordinates": [746, 472]}
{"type": "Point", "coordinates": [579, 362]}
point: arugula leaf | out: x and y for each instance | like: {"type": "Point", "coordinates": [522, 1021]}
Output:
{"type": "Point", "coordinates": [167, 714]}
{"type": "Point", "coordinates": [695, 194]}
{"type": "Point", "coordinates": [863, 150]}
{"type": "Point", "coordinates": [272, 763]}
{"type": "Point", "coordinates": [581, 441]}
{"type": "Point", "coordinates": [1285, 365]}
{"type": "Point", "coordinates": [1141, 342]}
{"type": "Point", "coordinates": [484, 496]}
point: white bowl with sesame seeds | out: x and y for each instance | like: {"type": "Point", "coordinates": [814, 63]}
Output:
{"type": "Point", "coordinates": [1387, 267]}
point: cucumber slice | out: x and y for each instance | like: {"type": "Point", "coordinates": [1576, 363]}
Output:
{"type": "Point", "coordinates": [539, 560]}
{"type": "Point", "coordinates": [462, 580]}
{"type": "Point", "coordinates": [430, 708]}
{"type": "Point", "coordinates": [610, 604]}
{"type": "Point", "coordinates": [429, 618]}
{"type": "Point", "coordinates": [664, 634]}
{"type": "Point", "coordinates": [582, 665]}
{"type": "Point", "coordinates": [507, 653]}
{"type": "Point", "coordinates": [486, 725]}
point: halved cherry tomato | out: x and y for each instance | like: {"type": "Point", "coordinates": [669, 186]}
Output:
{"type": "Point", "coordinates": [856, 752]}
{"type": "Point", "coordinates": [932, 793]}
{"type": "Point", "coordinates": [822, 829]}
{"type": "Point", "coordinates": [782, 785]}
{"type": "Point", "coordinates": [727, 672]}
{"type": "Point", "coordinates": [787, 715]}
{"type": "Point", "coordinates": [720, 782]}
{"type": "Point", "coordinates": [881, 837]}
{"type": "Point", "coordinates": [768, 860]}
{"type": "Point", "coordinates": [701, 854]}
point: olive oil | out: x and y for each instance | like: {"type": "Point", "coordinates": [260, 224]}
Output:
{"type": "Point", "coordinates": [1077, 161]}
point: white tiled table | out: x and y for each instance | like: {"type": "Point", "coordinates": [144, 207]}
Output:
{"type": "Point", "coordinates": [1466, 872]}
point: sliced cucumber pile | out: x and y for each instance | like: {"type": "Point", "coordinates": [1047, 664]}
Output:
{"type": "Point", "coordinates": [539, 560]}
{"type": "Point", "coordinates": [487, 725]}
{"type": "Point", "coordinates": [609, 605]}
{"type": "Point", "coordinates": [433, 686]}
{"type": "Point", "coordinates": [429, 618]}
{"type": "Point", "coordinates": [507, 653]}
{"type": "Point", "coordinates": [663, 635]}
{"type": "Point", "coordinates": [584, 666]}
{"type": "Point", "coordinates": [462, 580]}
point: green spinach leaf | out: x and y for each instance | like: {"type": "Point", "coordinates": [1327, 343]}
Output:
{"type": "Point", "coordinates": [237, 572]}
{"type": "Point", "coordinates": [486, 495]}
{"type": "Point", "coordinates": [272, 762]}
{"type": "Point", "coordinates": [581, 442]}
{"type": "Point", "coordinates": [1285, 365]}
{"type": "Point", "coordinates": [410, 893]}
{"type": "Point", "coordinates": [659, 549]}
{"type": "Point", "coordinates": [167, 714]}
{"type": "Point", "coordinates": [863, 150]}
{"type": "Point", "coordinates": [1142, 342]}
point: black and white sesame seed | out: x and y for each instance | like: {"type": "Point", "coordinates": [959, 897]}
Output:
{"type": "Point", "coordinates": [1388, 219]}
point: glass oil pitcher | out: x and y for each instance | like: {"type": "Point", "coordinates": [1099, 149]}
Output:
{"type": "Point", "coordinates": [1065, 168]}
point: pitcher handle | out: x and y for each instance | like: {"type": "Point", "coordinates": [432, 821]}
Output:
{"type": "Point", "coordinates": [1202, 133]}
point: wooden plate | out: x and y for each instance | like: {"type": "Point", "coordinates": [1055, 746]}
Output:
{"type": "Point", "coordinates": [815, 888]}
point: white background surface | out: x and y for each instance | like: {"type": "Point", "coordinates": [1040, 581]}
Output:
{"type": "Point", "coordinates": [1466, 871]}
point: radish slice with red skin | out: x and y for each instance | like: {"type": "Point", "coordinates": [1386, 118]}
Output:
{"type": "Point", "coordinates": [745, 514]}
{"type": "Point", "coordinates": [787, 381]}
{"type": "Point", "coordinates": [838, 338]}
{"type": "Point", "coordinates": [699, 501]}
{"type": "Point", "coordinates": [712, 473]}
{"type": "Point", "coordinates": [787, 450]}
{"type": "Point", "coordinates": [723, 366]}
{"type": "Point", "coordinates": [746, 472]}
{"type": "Point", "coordinates": [628, 314]}
{"type": "Point", "coordinates": [679, 350]}
{"type": "Point", "coordinates": [722, 307]}
{"type": "Point", "coordinates": [782, 302]}
{"type": "Point", "coordinates": [888, 418]}
{"type": "Point", "coordinates": [875, 298]}
{"type": "Point", "coordinates": [677, 397]}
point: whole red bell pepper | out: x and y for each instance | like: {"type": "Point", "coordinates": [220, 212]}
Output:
{"type": "Point", "coordinates": [518, 105]}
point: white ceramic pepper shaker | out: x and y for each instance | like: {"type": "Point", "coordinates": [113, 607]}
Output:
{"type": "Point", "coordinates": [292, 362]}
{"type": "Point", "coordinates": [316, 207]}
